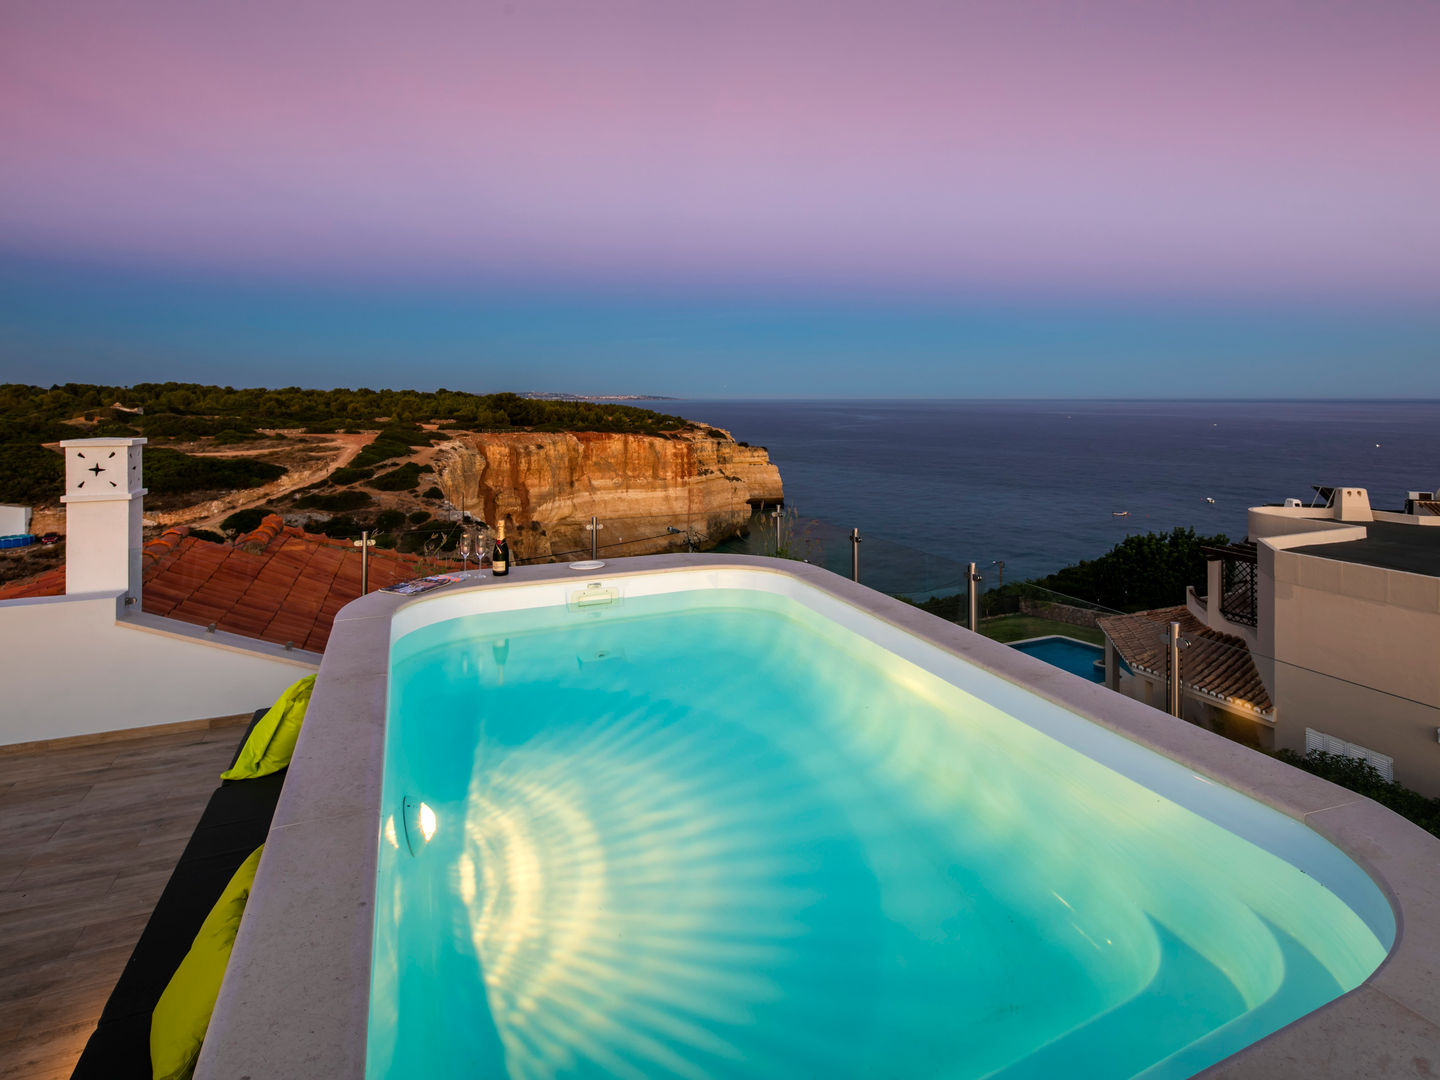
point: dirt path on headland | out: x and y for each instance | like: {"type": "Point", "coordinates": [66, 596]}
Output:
{"type": "Point", "coordinates": [208, 515]}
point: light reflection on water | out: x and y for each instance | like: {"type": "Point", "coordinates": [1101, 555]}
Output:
{"type": "Point", "coordinates": [745, 845]}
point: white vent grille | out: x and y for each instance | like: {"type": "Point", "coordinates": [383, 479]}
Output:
{"type": "Point", "coordinates": [1329, 744]}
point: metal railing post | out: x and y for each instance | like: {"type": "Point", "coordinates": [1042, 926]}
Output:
{"type": "Point", "coordinates": [1174, 687]}
{"type": "Point", "coordinates": [974, 580]}
{"type": "Point", "coordinates": [855, 555]}
{"type": "Point", "coordinates": [364, 544]}
{"type": "Point", "coordinates": [594, 528]}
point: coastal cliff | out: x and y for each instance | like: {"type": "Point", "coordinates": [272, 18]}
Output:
{"type": "Point", "coordinates": [546, 486]}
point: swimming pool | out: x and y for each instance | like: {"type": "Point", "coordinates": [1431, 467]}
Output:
{"type": "Point", "coordinates": [1066, 653]}
{"type": "Point", "coordinates": [295, 1003]}
{"type": "Point", "coordinates": [723, 827]}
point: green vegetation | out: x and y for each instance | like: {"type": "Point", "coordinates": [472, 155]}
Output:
{"type": "Point", "coordinates": [380, 450]}
{"type": "Point", "coordinates": [31, 475]}
{"type": "Point", "coordinates": [433, 493]}
{"type": "Point", "coordinates": [169, 472]}
{"type": "Point", "coordinates": [402, 479]}
{"type": "Point", "coordinates": [337, 527]}
{"type": "Point", "coordinates": [419, 517]}
{"type": "Point", "coordinates": [32, 415]}
{"type": "Point", "coordinates": [350, 475]}
{"type": "Point", "coordinates": [244, 521]}
{"type": "Point", "coordinates": [1141, 572]}
{"type": "Point", "coordinates": [207, 534]}
{"type": "Point", "coordinates": [192, 410]}
{"type": "Point", "coordinates": [389, 520]}
{"type": "Point", "coordinates": [350, 499]}
{"type": "Point", "coordinates": [1360, 776]}
{"type": "Point", "coordinates": [1007, 628]}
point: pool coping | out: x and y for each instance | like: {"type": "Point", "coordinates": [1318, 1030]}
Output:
{"type": "Point", "coordinates": [295, 999]}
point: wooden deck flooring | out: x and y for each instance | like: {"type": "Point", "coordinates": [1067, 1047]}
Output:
{"type": "Point", "coordinates": [90, 836]}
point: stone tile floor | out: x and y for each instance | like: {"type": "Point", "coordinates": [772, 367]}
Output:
{"type": "Point", "coordinates": [90, 836]}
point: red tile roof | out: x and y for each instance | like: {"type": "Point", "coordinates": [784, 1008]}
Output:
{"type": "Point", "coordinates": [277, 583]}
{"type": "Point", "coordinates": [46, 583]}
{"type": "Point", "coordinates": [1212, 664]}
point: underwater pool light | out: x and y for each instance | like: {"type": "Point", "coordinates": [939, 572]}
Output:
{"type": "Point", "coordinates": [420, 824]}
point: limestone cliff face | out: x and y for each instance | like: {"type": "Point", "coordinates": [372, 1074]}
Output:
{"type": "Point", "coordinates": [546, 486]}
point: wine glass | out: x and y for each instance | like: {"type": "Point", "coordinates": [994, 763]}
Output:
{"type": "Point", "coordinates": [482, 547]}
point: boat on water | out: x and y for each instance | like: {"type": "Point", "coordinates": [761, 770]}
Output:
{"type": "Point", "coordinates": [1119, 513]}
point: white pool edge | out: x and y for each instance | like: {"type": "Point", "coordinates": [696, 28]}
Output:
{"type": "Point", "coordinates": [296, 993]}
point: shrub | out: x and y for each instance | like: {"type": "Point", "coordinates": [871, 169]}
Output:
{"type": "Point", "coordinates": [1360, 776]}
{"type": "Point", "coordinates": [419, 517]}
{"type": "Point", "coordinates": [244, 521]}
{"type": "Point", "coordinates": [433, 493]}
{"type": "Point", "coordinates": [402, 479]}
{"type": "Point", "coordinates": [389, 520]}
{"type": "Point", "coordinates": [338, 527]}
{"type": "Point", "coordinates": [111, 429]}
{"type": "Point", "coordinates": [31, 475]}
{"type": "Point", "coordinates": [176, 426]}
{"type": "Point", "coordinates": [207, 534]}
{"type": "Point", "coordinates": [169, 472]}
{"type": "Point", "coordinates": [341, 500]}
{"type": "Point", "coordinates": [1140, 572]}
{"type": "Point", "coordinates": [382, 449]}
{"type": "Point", "coordinates": [230, 436]}
{"type": "Point", "coordinates": [350, 475]}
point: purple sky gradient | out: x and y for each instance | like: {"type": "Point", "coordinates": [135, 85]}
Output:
{"type": "Point", "coordinates": [1256, 146]}
{"type": "Point", "coordinates": [1275, 156]}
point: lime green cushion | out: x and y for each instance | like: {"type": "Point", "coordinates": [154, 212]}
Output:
{"type": "Point", "coordinates": [177, 1026]}
{"type": "Point", "coordinates": [272, 742]}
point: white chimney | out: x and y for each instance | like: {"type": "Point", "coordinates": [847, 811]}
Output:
{"type": "Point", "coordinates": [104, 503]}
{"type": "Point", "coordinates": [1352, 504]}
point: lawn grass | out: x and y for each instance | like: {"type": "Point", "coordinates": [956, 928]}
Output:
{"type": "Point", "coordinates": [1007, 628]}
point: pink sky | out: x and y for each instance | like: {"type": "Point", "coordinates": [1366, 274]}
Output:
{"type": "Point", "coordinates": [1261, 147]}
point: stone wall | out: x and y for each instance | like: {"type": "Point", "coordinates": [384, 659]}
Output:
{"type": "Point", "coordinates": [1066, 613]}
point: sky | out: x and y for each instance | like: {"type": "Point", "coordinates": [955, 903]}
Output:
{"type": "Point", "coordinates": [1009, 198]}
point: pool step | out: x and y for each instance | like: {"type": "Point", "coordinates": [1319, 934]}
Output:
{"type": "Point", "coordinates": [1188, 998]}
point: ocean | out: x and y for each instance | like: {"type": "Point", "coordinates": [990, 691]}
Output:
{"type": "Point", "coordinates": [1037, 485]}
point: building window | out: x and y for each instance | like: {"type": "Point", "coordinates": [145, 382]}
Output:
{"type": "Point", "coordinates": [1329, 744]}
{"type": "Point", "coordinates": [1237, 591]}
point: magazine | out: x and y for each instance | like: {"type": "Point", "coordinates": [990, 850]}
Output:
{"type": "Point", "coordinates": [421, 585]}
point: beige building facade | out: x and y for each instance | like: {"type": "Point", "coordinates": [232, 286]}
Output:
{"type": "Point", "coordinates": [1338, 607]}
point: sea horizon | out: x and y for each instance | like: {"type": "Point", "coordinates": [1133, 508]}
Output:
{"type": "Point", "coordinates": [1041, 483]}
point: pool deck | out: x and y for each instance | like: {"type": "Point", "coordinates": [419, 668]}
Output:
{"type": "Point", "coordinates": [303, 950]}
{"type": "Point", "coordinates": [92, 833]}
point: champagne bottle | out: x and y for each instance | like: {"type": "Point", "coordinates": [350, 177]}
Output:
{"type": "Point", "coordinates": [500, 560]}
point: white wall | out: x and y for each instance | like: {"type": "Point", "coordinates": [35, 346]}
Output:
{"type": "Point", "coordinates": [70, 666]}
{"type": "Point", "coordinates": [16, 519]}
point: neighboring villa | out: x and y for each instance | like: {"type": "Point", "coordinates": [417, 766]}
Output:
{"type": "Point", "coordinates": [1321, 632]}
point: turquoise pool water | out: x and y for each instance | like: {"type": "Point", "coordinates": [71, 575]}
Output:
{"type": "Point", "coordinates": [1076, 657]}
{"type": "Point", "coordinates": [711, 834]}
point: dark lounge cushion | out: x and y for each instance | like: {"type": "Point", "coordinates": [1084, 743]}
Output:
{"type": "Point", "coordinates": [235, 822]}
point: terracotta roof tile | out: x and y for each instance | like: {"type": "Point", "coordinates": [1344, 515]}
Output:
{"type": "Point", "coordinates": [46, 583]}
{"type": "Point", "coordinates": [277, 582]}
{"type": "Point", "coordinates": [1212, 664]}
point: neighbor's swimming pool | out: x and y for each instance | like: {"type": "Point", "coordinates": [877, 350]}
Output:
{"type": "Point", "coordinates": [1076, 657]}
{"type": "Point", "coordinates": [756, 832]}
